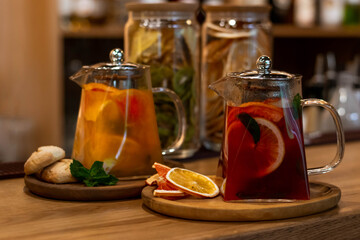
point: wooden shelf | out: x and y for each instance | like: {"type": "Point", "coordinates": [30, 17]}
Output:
{"type": "Point", "coordinates": [291, 31]}
{"type": "Point", "coordinates": [110, 31]}
{"type": "Point", "coordinates": [279, 31]}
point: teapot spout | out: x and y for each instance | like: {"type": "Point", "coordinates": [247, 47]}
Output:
{"type": "Point", "coordinates": [228, 88]}
{"type": "Point", "coordinates": [81, 76]}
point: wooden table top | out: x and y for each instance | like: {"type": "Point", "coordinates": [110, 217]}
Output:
{"type": "Point", "coordinates": [26, 216]}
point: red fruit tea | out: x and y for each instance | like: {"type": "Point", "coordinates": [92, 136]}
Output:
{"type": "Point", "coordinates": [263, 153]}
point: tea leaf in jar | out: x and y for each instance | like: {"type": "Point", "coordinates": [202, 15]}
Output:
{"type": "Point", "coordinates": [190, 38]}
{"type": "Point", "coordinates": [181, 80]}
{"type": "Point", "coordinates": [160, 75]}
{"type": "Point", "coordinates": [170, 66]}
{"type": "Point", "coordinates": [165, 112]}
{"type": "Point", "coordinates": [242, 55]}
{"type": "Point", "coordinates": [215, 50]}
{"type": "Point", "coordinates": [141, 41]}
{"type": "Point", "coordinates": [183, 85]}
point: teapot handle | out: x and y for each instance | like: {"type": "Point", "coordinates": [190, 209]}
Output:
{"type": "Point", "coordinates": [339, 134]}
{"type": "Point", "coordinates": [181, 119]}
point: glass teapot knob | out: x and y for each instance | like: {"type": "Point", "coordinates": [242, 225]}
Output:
{"type": "Point", "coordinates": [117, 56]}
{"type": "Point", "coordinates": [263, 65]}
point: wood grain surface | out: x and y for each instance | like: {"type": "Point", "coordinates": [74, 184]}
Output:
{"type": "Point", "coordinates": [79, 192]}
{"type": "Point", "coordinates": [323, 197]}
{"type": "Point", "coordinates": [27, 216]}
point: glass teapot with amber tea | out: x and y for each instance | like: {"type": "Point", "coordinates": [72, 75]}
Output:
{"type": "Point", "coordinates": [263, 156]}
{"type": "Point", "coordinates": [116, 122]}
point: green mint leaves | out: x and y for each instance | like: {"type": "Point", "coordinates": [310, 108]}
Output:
{"type": "Point", "coordinates": [251, 125]}
{"type": "Point", "coordinates": [95, 176]}
{"type": "Point", "coordinates": [297, 105]}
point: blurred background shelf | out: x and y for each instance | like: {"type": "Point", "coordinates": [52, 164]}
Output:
{"type": "Point", "coordinates": [279, 31]}
{"type": "Point", "coordinates": [292, 31]}
{"type": "Point", "coordinates": [108, 31]}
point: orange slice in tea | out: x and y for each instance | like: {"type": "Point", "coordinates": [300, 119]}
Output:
{"type": "Point", "coordinates": [97, 87]}
{"type": "Point", "coordinates": [259, 158]}
{"type": "Point", "coordinates": [192, 183]}
{"type": "Point", "coordinates": [109, 119]}
{"type": "Point", "coordinates": [257, 109]}
{"type": "Point", "coordinates": [94, 95]}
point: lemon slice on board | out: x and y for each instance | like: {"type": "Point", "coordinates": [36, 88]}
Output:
{"type": "Point", "coordinates": [192, 183]}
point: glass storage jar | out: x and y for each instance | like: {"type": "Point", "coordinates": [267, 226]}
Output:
{"type": "Point", "coordinates": [233, 37]}
{"type": "Point", "coordinates": [166, 36]}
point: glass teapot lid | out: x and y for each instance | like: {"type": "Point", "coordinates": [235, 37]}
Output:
{"type": "Point", "coordinates": [112, 73]}
{"type": "Point", "coordinates": [263, 71]}
{"type": "Point", "coordinates": [236, 86]}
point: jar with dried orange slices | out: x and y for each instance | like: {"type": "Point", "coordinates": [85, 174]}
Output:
{"type": "Point", "coordinates": [233, 37]}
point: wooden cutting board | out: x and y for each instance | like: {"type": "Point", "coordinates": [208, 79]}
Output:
{"type": "Point", "coordinates": [322, 197]}
{"type": "Point", "coordinates": [79, 192]}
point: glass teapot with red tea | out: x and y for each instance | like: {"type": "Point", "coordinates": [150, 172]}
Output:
{"type": "Point", "coordinates": [263, 156]}
{"type": "Point", "coordinates": [116, 122]}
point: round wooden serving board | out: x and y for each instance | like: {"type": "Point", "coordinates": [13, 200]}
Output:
{"type": "Point", "coordinates": [322, 197]}
{"type": "Point", "coordinates": [79, 192]}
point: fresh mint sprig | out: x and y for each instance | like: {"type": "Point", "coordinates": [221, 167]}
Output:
{"type": "Point", "coordinates": [95, 176]}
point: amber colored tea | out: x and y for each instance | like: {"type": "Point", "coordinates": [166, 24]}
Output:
{"type": "Point", "coordinates": [119, 128]}
{"type": "Point", "coordinates": [263, 155]}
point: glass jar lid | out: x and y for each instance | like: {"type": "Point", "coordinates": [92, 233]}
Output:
{"type": "Point", "coordinates": [172, 10]}
{"type": "Point", "coordinates": [242, 12]}
{"type": "Point", "coordinates": [162, 7]}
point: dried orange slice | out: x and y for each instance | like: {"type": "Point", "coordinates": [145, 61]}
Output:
{"type": "Point", "coordinates": [259, 158]}
{"type": "Point", "coordinates": [161, 169]}
{"type": "Point", "coordinates": [153, 180]}
{"type": "Point", "coordinates": [192, 183]}
{"type": "Point", "coordinates": [159, 178]}
{"type": "Point", "coordinates": [168, 193]}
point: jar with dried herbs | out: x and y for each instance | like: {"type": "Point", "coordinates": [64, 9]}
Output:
{"type": "Point", "coordinates": [166, 37]}
{"type": "Point", "coordinates": [233, 37]}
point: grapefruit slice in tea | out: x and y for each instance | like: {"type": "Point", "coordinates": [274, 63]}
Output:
{"type": "Point", "coordinates": [133, 104]}
{"type": "Point", "coordinates": [259, 158]}
{"type": "Point", "coordinates": [257, 109]}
